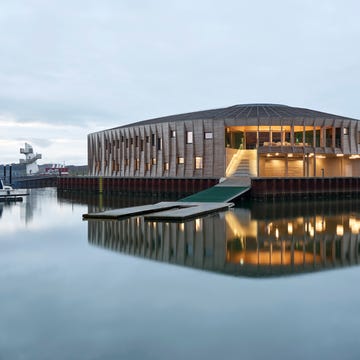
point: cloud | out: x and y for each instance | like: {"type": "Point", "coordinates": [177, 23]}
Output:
{"type": "Point", "coordinates": [70, 68]}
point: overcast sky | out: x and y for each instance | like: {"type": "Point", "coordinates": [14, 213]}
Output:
{"type": "Point", "coordinates": [71, 67]}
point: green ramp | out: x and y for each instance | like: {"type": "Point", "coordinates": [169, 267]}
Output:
{"type": "Point", "coordinates": [217, 194]}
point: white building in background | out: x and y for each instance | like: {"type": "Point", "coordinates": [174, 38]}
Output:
{"type": "Point", "coordinates": [30, 159]}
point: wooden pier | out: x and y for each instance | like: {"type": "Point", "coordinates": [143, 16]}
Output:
{"type": "Point", "coordinates": [163, 211]}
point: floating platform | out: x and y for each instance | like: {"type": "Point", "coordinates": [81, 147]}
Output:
{"type": "Point", "coordinates": [12, 195]}
{"type": "Point", "coordinates": [162, 211]}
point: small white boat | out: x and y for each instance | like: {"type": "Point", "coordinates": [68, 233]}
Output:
{"type": "Point", "coordinates": [7, 193]}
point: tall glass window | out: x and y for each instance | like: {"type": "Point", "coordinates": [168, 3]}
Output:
{"type": "Point", "coordinates": [328, 137]}
{"type": "Point", "coordinates": [338, 137]}
{"type": "Point", "coordinates": [189, 137]}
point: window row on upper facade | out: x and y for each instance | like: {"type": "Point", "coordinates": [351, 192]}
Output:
{"type": "Point", "coordinates": [155, 141]}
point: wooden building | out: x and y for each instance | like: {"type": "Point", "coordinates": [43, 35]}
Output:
{"type": "Point", "coordinates": [257, 140]}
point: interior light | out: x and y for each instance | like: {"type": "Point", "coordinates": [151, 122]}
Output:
{"type": "Point", "coordinates": [339, 230]}
{"type": "Point", "coordinates": [290, 228]}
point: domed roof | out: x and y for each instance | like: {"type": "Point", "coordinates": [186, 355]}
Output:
{"type": "Point", "coordinates": [245, 111]}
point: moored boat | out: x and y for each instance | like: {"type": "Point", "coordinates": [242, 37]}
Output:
{"type": "Point", "coordinates": [7, 193]}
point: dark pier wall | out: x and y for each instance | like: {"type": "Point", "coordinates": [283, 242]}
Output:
{"type": "Point", "coordinates": [261, 188]}
{"type": "Point", "coordinates": [305, 188]}
{"type": "Point", "coordinates": [30, 182]}
{"type": "Point", "coordinates": [152, 186]}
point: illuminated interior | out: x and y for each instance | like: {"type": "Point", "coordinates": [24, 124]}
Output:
{"type": "Point", "coordinates": [297, 241]}
{"type": "Point", "coordinates": [289, 151]}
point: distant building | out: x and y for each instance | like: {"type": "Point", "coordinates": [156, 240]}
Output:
{"type": "Point", "coordinates": [256, 140]}
{"type": "Point", "coordinates": [30, 159]}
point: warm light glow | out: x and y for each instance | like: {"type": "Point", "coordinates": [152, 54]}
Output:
{"type": "Point", "coordinates": [290, 155]}
{"type": "Point", "coordinates": [242, 261]}
{"type": "Point", "coordinates": [320, 156]}
{"type": "Point", "coordinates": [354, 157]}
{"type": "Point", "coordinates": [290, 228]}
{"type": "Point", "coordinates": [240, 228]}
{"type": "Point", "coordinates": [198, 224]}
{"type": "Point", "coordinates": [339, 230]}
{"type": "Point", "coordinates": [276, 154]}
{"type": "Point", "coordinates": [182, 227]}
{"type": "Point", "coordinates": [339, 155]}
{"type": "Point", "coordinates": [320, 224]}
{"type": "Point", "coordinates": [311, 231]}
{"type": "Point", "coordinates": [354, 225]}
{"type": "Point", "coordinates": [277, 233]}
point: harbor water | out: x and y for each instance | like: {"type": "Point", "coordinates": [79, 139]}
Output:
{"type": "Point", "coordinates": [276, 280]}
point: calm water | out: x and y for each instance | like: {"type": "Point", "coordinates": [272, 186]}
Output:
{"type": "Point", "coordinates": [276, 281]}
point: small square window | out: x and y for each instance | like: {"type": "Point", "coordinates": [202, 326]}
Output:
{"type": "Point", "coordinates": [148, 166]}
{"type": "Point", "coordinates": [153, 161]}
{"type": "Point", "coordinates": [173, 134]}
{"type": "Point", "coordinates": [208, 135]}
{"type": "Point", "coordinates": [181, 160]}
{"type": "Point", "coordinates": [346, 131]}
{"type": "Point", "coordinates": [166, 166]}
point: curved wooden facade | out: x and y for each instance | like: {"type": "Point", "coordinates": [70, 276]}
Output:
{"type": "Point", "coordinates": [261, 140]}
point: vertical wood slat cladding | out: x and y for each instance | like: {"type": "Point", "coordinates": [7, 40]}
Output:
{"type": "Point", "coordinates": [154, 150]}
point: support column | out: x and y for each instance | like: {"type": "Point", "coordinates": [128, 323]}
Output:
{"type": "Point", "coordinates": [304, 165]}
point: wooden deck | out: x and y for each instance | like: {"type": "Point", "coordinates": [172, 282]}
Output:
{"type": "Point", "coordinates": [172, 210]}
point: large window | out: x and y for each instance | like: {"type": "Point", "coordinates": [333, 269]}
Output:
{"type": "Point", "coordinates": [338, 137]}
{"type": "Point", "coordinates": [328, 137]}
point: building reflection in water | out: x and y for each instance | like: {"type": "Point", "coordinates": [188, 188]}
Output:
{"type": "Point", "coordinates": [236, 242]}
